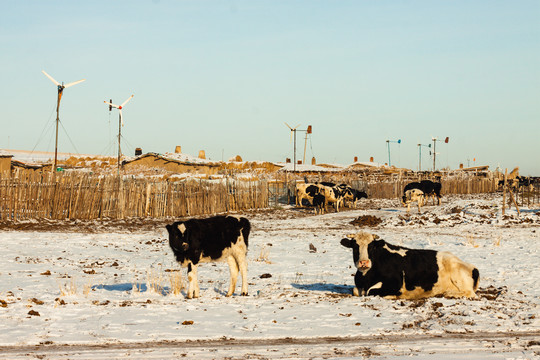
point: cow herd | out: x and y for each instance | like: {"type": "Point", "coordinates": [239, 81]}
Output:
{"type": "Point", "coordinates": [319, 195]}
{"type": "Point", "coordinates": [382, 269]}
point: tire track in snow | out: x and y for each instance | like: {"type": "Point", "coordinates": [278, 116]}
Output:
{"type": "Point", "coordinates": [460, 345]}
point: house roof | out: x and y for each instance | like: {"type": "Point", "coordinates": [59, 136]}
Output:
{"type": "Point", "coordinates": [183, 159]}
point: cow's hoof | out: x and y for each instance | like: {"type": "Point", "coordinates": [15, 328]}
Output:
{"type": "Point", "coordinates": [355, 291]}
{"type": "Point", "coordinates": [244, 294]}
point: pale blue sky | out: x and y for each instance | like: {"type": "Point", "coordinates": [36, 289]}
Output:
{"type": "Point", "coordinates": [224, 76]}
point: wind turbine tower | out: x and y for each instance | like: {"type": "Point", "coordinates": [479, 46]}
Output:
{"type": "Point", "coordinates": [120, 123]}
{"type": "Point", "coordinates": [61, 88]}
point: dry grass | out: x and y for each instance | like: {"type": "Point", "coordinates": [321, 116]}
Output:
{"type": "Point", "coordinates": [264, 255]}
{"type": "Point", "coordinates": [177, 283]}
{"type": "Point", "coordinates": [69, 288]}
{"type": "Point", "coordinates": [471, 241]}
{"type": "Point", "coordinates": [154, 281]}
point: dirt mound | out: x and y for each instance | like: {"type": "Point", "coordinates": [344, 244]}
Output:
{"type": "Point", "coordinates": [366, 220]}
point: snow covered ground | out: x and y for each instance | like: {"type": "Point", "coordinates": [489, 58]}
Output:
{"type": "Point", "coordinates": [78, 290]}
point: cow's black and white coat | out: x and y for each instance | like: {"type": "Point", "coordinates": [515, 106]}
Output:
{"type": "Point", "coordinates": [398, 272]}
{"type": "Point", "coordinates": [219, 238]}
{"type": "Point", "coordinates": [308, 192]}
{"type": "Point", "coordinates": [428, 187]}
{"type": "Point", "coordinates": [413, 195]}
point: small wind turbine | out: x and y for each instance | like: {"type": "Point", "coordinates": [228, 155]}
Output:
{"type": "Point", "coordinates": [388, 146]}
{"type": "Point", "coordinates": [420, 155]}
{"type": "Point", "coordinates": [61, 88]}
{"type": "Point", "coordinates": [293, 130]}
{"type": "Point", "coordinates": [120, 123]}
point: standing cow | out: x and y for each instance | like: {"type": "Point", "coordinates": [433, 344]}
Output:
{"type": "Point", "coordinates": [217, 238]}
{"type": "Point", "coordinates": [398, 272]}
{"type": "Point", "coordinates": [413, 195]}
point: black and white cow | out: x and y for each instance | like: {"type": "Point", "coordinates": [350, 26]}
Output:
{"type": "Point", "coordinates": [397, 272]}
{"type": "Point", "coordinates": [307, 191]}
{"type": "Point", "coordinates": [319, 202]}
{"type": "Point", "coordinates": [413, 195]}
{"type": "Point", "coordinates": [433, 189]}
{"type": "Point", "coordinates": [219, 238]}
{"type": "Point", "coordinates": [356, 196]}
{"type": "Point", "coordinates": [335, 195]}
{"type": "Point", "coordinates": [428, 187]}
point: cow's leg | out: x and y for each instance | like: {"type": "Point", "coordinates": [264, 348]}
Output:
{"type": "Point", "coordinates": [233, 269]}
{"type": "Point", "coordinates": [193, 282]}
{"type": "Point", "coordinates": [419, 204]}
{"type": "Point", "coordinates": [242, 264]}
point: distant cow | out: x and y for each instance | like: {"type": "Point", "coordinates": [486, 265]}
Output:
{"type": "Point", "coordinates": [335, 195]}
{"type": "Point", "coordinates": [307, 191]}
{"type": "Point", "coordinates": [433, 189]}
{"type": "Point", "coordinates": [428, 187]}
{"type": "Point", "coordinates": [319, 202]}
{"type": "Point", "coordinates": [397, 272]}
{"type": "Point", "coordinates": [356, 196]}
{"type": "Point", "coordinates": [213, 239]}
{"type": "Point", "coordinates": [413, 195]}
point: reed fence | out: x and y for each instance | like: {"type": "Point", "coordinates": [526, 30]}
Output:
{"type": "Point", "coordinates": [29, 195]}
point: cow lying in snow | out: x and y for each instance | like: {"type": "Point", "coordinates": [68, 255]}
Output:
{"type": "Point", "coordinates": [397, 272]}
{"type": "Point", "coordinates": [412, 196]}
{"type": "Point", "coordinates": [212, 239]}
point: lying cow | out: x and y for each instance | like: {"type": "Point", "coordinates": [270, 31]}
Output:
{"type": "Point", "coordinates": [212, 239]}
{"type": "Point", "coordinates": [413, 195]}
{"type": "Point", "coordinates": [396, 272]}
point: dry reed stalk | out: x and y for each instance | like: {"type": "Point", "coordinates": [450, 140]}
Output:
{"type": "Point", "coordinates": [69, 288]}
{"type": "Point", "coordinates": [177, 283]}
{"type": "Point", "coordinates": [264, 255]}
{"type": "Point", "coordinates": [154, 281]}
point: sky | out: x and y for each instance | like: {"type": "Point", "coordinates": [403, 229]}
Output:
{"type": "Point", "coordinates": [225, 77]}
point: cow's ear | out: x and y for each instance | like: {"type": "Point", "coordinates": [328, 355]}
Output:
{"type": "Point", "coordinates": [348, 243]}
{"type": "Point", "coordinates": [375, 237]}
{"type": "Point", "coordinates": [169, 228]}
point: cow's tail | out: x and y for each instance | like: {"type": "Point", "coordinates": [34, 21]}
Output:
{"type": "Point", "coordinates": [476, 278]}
{"type": "Point", "coordinates": [245, 228]}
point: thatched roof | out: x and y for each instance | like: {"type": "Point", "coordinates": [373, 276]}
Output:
{"type": "Point", "coordinates": [182, 159]}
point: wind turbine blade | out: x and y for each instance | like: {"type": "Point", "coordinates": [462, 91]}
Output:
{"type": "Point", "coordinates": [121, 119]}
{"type": "Point", "coordinates": [111, 104]}
{"type": "Point", "coordinates": [51, 78]}
{"type": "Point", "coordinates": [296, 127]}
{"type": "Point", "coordinates": [125, 102]}
{"type": "Point", "coordinates": [288, 126]}
{"type": "Point", "coordinates": [74, 83]}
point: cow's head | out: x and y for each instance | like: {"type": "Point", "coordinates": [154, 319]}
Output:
{"type": "Point", "coordinates": [178, 237]}
{"type": "Point", "coordinates": [359, 244]}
